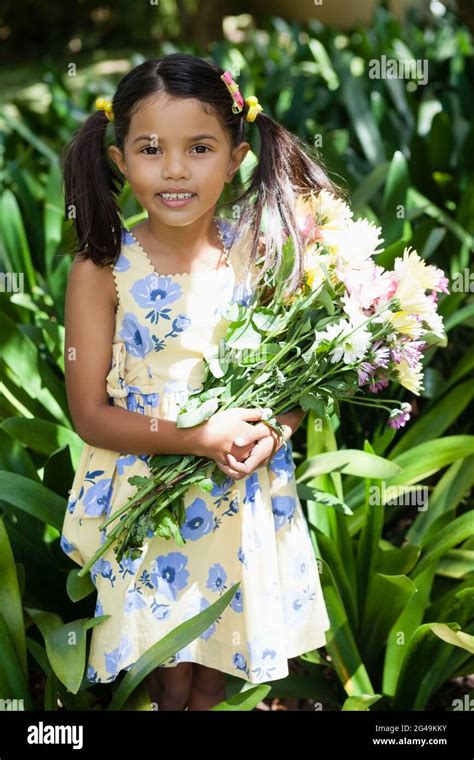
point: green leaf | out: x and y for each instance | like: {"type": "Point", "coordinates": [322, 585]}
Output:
{"type": "Point", "coordinates": [245, 336]}
{"type": "Point", "coordinates": [244, 701]}
{"type": "Point", "coordinates": [21, 356]}
{"type": "Point", "coordinates": [460, 529]}
{"type": "Point", "coordinates": [43, 436]}
{"type": "Point", "coordinates": [456, 563]}
{"type": "Point", "coordinates": [404, 628]}
{"type": "Point", "coordinates": [427, 458]}
{"type": "Point", "coordinates": [195, 417]}
{"type": "Point", "coordinates": [321, 497]}
{"type": "Point", "coordinates": [178, 638]}
{"type": "Point", "coordinates": [397, 561]}
{"type": "Point", "coordinates": [69, 700]}
{"type": "Point", "coordinates": [206, 485]}
{"type": "Point", "coordinates": [378, 616]}
{"type": "Point", "coordinates": [310, 400]}
{"type": "Point", "coordinates": [361, 702]}
{"type": "Point", "coordinates": [15, 242]}
{"type": "Point", "coordinates": [363, 122]}
{"type": "Point", "coordinates": [51, 692]}
{"type": "Point", "coordinates": [456, 638]}
{"type": "Point", "coordinates": [10, 598]}
{"type": "Point", "coordinates": [65, 645]}
{"type": "Point", "coordinates": [78, 588]}
{"type": "Point", "coordinates": [394, 197]}
{"type": "Point", "coordinates": [350, 461]}
{"type": "Point", "coordinates": [335, 560]}
{"type": "Point", "coordinates": [340, 644]}
{"type": "Point", "coordinates": [33, 498]}
{"type": "Point", "coordinates": [13, 683]}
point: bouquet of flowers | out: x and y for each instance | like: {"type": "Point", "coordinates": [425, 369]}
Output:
{"type": "Point", "coordinates": [351, 329]}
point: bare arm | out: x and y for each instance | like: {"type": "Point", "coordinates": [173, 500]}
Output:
{"type": "Point", "coordinates": [291, 421]}
{"type": "Point", "coordinates": [89, 310]}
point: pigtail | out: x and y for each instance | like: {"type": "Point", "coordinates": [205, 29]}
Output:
{"type": "Point", "coordinates": [91, 188]}
{"type": "Point", "coordinates": [285, 170]}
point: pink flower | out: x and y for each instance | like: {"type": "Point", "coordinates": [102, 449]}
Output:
{"type": "Point", "coordinates": [377, 384]}
{"type": "Point", "coordinates": [365, 372]}
{"type": "Point", "coordinates": [310, 231]}
{"type": "Point", "coordinates": [399, 417]}
{"type": "Point", "coordinates": [370, 285]}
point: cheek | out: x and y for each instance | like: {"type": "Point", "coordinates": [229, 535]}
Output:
{"type": "Point", "coordinates": [142, 176]}
{"type": "Point", "coordinates": [213, 168]}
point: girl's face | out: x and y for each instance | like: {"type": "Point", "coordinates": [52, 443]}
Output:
{"type": "Point", "coordinates": [173, 145]}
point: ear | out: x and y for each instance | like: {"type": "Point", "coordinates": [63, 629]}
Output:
{"type": "Point", "coordinates": [237, 156]}
{"type": "Point", "coordinates": [117, 157]}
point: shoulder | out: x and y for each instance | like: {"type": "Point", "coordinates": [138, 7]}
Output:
{"type": "Point", "coordinates": [87, 277]}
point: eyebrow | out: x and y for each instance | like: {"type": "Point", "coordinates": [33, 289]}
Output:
{"type": "Point", "coordinates": [203, 136]}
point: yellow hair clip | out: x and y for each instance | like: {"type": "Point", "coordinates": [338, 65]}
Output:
{"type": "Point", "coordinates": [238, 104]}
{"type": "Point", "coordinates": [254, 108]}
{"type": "Point", "coordinates": [105, 104]}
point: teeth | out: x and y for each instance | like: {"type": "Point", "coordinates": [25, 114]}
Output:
{"type": "Point", "coordinates": [176, 196]}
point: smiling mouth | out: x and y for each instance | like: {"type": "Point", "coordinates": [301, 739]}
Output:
{"type": "Point", "coordinates": [176, 196]}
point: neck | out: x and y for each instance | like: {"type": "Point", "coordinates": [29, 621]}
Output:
{"type": "Point", "coordinates": [182, 244]}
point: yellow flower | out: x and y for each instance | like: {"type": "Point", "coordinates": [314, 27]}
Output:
{"type": "Point", "coordinates": [410, 377]}
{"type": "Point", "coordinates": [314, 272]}
{"type": "Point", "coordinates": [404, 323]}
{"type": "Point", "coordinates": [412, 269]}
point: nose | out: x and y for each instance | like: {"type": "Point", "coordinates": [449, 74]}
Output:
{"type": "Point", "coordinates": [174, 165]}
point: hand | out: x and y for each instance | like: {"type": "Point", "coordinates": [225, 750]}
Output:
{"type": "Point", "coordinates": [229, 431]}
{"type": "Point", "coordinates": [258, 456]}
{"type": "Point", "coordinates": [262, 452]}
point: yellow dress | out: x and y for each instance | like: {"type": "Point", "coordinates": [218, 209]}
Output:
{"type": "Point", "coordinates": [251, 530]}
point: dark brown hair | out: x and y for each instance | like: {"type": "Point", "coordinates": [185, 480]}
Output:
{"type": "Point", "coordinates": [285, 169]}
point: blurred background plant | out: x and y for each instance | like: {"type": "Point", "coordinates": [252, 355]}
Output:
{"type": "Point", "coordinates": [405, 152]}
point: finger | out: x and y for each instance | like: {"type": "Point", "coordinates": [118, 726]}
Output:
{"type": "Point", "coordinates": [236, 465]}
{"type": "Point", "coordinates": [230, 472]}
{"type": "Point", "coordinates": [253, 414]}
{"type": "Point", "coordinates": [261, 431]}
{"type": "Point", "coordinates": [241, 456]}
{"type": "Point", "coordinates": [256, 458]}
{"type": "Point", "coordinates": [255, 433]}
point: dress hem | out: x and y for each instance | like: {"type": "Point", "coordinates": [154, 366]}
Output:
{"type": "Point", "coordinates": [203, 660]}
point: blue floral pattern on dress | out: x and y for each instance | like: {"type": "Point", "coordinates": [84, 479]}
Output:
{"type": "Point", "coordinates": [156, 293]}
{"type": "Point", "coordinates": [97, 497]}
{"type": "Point", "coordinates": [217, 578]}
{"type": "Point", "coordinates": [180, 324]}
{"type": "Point", "coordinates": [283, 509]}
{"type": "Point", "coordinates": [169, 575]}
{"type": "Point", "coordinates": [198, 522]}
{"type": "Point", "coordinates": [136, 336]}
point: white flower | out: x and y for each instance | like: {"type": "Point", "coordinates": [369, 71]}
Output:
{"type": "Point", "coordinates": [351, 341]}
{"type": "Point", "coordinates": [435, 323]}
{"type": "Point", "coordinates": [357, 243]}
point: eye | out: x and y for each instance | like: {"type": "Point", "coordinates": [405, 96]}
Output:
{"type": "Point", "coordinates": [149, 147]}
{"type": "Point", "coordinates": [202, 146]}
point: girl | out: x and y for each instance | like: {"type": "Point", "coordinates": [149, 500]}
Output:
{"type": "Point", "coordinates": [144, 306]}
